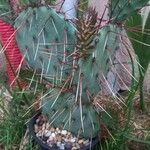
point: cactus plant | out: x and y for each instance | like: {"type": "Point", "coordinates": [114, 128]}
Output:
{"type": "Point", "coordinates": [76, 70]}
{"type": "Point", "coordinates": [93, 65]}
{"type": "Point", "coordinates": [74, 110]}
{"type": "Point", "coordinates": [74, 59]}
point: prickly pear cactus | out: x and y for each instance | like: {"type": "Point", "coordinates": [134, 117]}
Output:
{"type": "Point", "coordinates": [46, 39]}
{"type": "Point", "coordinates": [77, 70]}
{"type": "Point", "coordinates": [74, 110]}
{"type": "Point", "coordinates": [5, 11]}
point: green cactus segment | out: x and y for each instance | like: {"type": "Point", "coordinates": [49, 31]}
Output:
{"type": "Point", "coordinates": [122, 9]}
{"type": "Point", "coordinates": [65, 113]}
{"type": "Point", "coordinates": [45, 38]}
{"type": "Point", "coordinates": [92, 70]}
{"type": "Point", "coordinates": [5, 11]}
{"type": "Point", "coordinates": [107, 46]}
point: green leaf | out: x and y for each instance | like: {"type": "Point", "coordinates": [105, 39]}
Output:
{"type": "Point", "coordinates": [120, 10]}
{"type": "Point", "coordinates": [140, 39]}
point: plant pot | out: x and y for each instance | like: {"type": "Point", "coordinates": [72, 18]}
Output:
{"type": "Point", "coordinates": [44, 146]}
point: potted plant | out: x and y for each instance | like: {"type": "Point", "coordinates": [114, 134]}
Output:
{"type": "Point", "coordinates": [70, 110]}
{"type": "Point", "coordinates": [74, 59]}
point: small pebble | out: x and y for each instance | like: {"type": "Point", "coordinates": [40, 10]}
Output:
{"type": "Point", "coordinates": [48, 134]}
{"type": "Point", "coordinates": [68, 136]}
{"type": "Point", "coordinates": [62, 146]}
{"type": "Point", "coordinates": [55, 140]}
{"type": "Point", "coordinates": [63, 132]}
{"type": "Point", "coordinates": [50, 144]}
{"type": "Point", "coordinates": [58, 144]}
{"type": "Point", "coordinates": [80, 141]}
{"type": "Point", "coordinates": [51, 138]}
{"type": "Point", "coordinates": [59, 138]}
{"type": "Point", "coordinates": [37, 120]}
{"type": "Point", "coordinates": [77, 146]}
{"type": "Point", "coordinates": [57, 129]}
{"type": "Point", "coordinates": [66, 140]}
{"type": "Point", "coordinates": [73, 140]}
{"type": "Point", "coordinates": [68, 133]}
{"type": "Point", "coordinates": [53, 135]}
{"type": "Point", "coordinates": [52, 129]}
{"type": "Point", "coordinates": [39, 134]}
{"type": "Point", "coordinates": [73, 148]}
{"type": "Point", "coordinates": [86, 142]}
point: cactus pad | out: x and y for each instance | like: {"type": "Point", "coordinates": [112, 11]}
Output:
{"type": "Point", "coordinates": [45, 38]}
{"type": "Point", "coordinates": [65, 113]}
